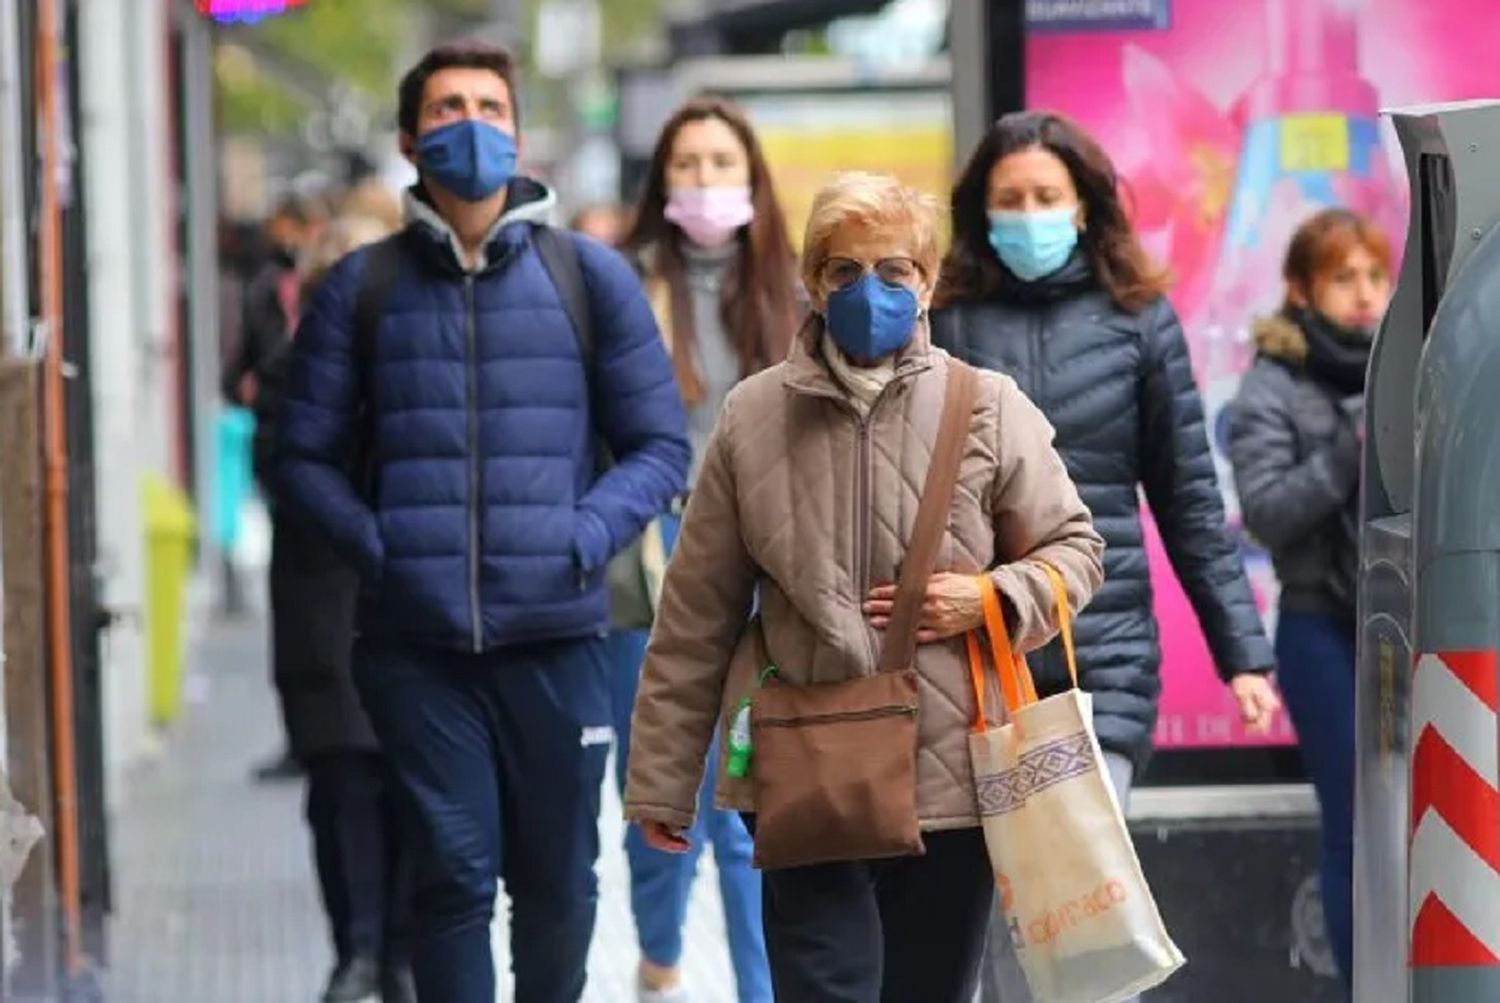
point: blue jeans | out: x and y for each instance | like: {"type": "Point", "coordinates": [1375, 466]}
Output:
{"type": "Point", "coordinates": [660, 883]}
{"type": "Point", "coordinates": [1316, 675]}
{"type": "Point", "coordinates": [499, 760]}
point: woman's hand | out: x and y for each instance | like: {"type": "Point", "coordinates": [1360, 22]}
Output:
{"type": "Point", "coordinates": [1258, 701]}
{"type": "Point", "coordinates": [953, 606]}
{"type": "Point", "coordinates": [664, 837]}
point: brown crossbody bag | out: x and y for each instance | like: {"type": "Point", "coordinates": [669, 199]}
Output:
{"type": "Point", "coordinates": [835, 764]}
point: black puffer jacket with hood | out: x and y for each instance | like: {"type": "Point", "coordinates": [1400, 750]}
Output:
{"type": "Point", "coordinates": [1118, 387]}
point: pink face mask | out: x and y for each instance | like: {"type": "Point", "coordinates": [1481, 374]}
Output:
{"type": "Point", "coordinates": [710, 216]}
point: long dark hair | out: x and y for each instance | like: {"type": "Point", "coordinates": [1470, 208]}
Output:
{"type": "Point", "coordinates": [759, 308]}
{"type": "Point", "coordinates": [1121, 266]}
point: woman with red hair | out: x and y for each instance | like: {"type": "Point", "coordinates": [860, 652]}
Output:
{"type": "Point", "coordinates": [1295, 435]}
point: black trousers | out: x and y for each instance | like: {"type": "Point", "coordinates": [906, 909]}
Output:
{"type": "Point", "coordinates": [909, 930]}
{"type": "Point", "coordinates": [363, 870]}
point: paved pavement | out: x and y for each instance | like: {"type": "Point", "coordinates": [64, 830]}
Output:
{"type": "Point", "coordinates": [214, 887]}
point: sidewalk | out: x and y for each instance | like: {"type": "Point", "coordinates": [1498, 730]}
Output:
{"type": "Point", "coordinates": [215, 897]}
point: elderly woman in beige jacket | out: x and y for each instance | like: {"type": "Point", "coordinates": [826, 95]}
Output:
{"type": "Point", "coordinates": [808, 493]}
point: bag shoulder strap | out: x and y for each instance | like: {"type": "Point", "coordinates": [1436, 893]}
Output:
{"type": "Point", "coordinates": [932, 517]}
{"type": "Point", "coordinates": [560, 257]}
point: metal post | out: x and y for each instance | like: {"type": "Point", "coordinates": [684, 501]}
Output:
{"type": "Point", "coordinates": [1005, 36]}
{"type": "Point", "coordinates": [14, 324]}
{"type": "Point", "coordinates": [200, 251]}
{"type": "Point", "coordinates": [987, 39]}
{"type": "Point", "coordinates": [6, 900]}
{"type": "Point", "coordinates": [967, 48]}
{"type": "Point", "coordinates": [55, 451]}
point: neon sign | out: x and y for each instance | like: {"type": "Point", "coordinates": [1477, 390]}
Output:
{"type": "Point", "coordinates": [245, 11]}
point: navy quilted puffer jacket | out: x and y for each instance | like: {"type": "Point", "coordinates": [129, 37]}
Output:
{"type": "Point", "coordinates": [488, 523]}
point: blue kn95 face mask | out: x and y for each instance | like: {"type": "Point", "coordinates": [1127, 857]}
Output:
{"type": "Point", "coordinates": [871, 319]}
{"type": "Point", "coordinates": [471, 159]}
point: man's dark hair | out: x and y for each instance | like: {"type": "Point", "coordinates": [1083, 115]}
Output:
{"type": "Point", "coordinates": [467, 54]}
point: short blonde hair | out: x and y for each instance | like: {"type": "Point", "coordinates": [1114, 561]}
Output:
{"type": "Point", "coordinates": [343, 235]}
{"type": "Point", "coordinates": [877, 201]}
{"type": "Point", "coordinates": [374, 199]}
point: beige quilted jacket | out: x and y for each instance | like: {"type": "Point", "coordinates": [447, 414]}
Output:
{"type": "Point", "coordinates": [800, 497]}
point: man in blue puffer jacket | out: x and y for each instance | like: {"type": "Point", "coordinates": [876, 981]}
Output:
{"type": "Point", "coordinates": [453, 456]}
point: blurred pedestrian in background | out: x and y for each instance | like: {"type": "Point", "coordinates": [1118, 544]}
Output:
{"type": "Point", "coordinates": [361, 863]}
{"type": "Point", "coordinates": [271, 298]}
{"type": "Point", "coordinates": [1295, 437]}
{"type": "Point", "coordinates": [806, 492]}
{"type": "Point", "coordinates": [1047, 283]}
{"type": "Point", "coordinates": [710, 241]}
{"type": "Point", "coordinates": [269, 307]}
{"type": "Point", "coordinates": [606, 222]}
{"type": "Point", "coordinates": [451, 398]}
{"type": "Point", "coordinates": [370, 200]}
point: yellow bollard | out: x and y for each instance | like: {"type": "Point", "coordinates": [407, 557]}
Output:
{"type": "Point", "coordinates": [170, 538]}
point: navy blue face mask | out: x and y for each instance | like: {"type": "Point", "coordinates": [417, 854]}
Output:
{"type": "Point", "coordinates": [471, 159]}
{"type": "Point", "coordinates": [871, 319]}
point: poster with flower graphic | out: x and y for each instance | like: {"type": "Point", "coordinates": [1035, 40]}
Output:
{"type": "Point", "coordinates": [1231, 122]}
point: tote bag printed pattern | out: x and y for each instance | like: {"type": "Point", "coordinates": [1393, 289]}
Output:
{"type": "Point", "coordinates": [1080, 914]}
{"type": "Point", "coordinates": [1033, 773]}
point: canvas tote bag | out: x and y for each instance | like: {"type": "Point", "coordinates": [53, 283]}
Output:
{"type": "Point", "coordinates": [835, 764]}
{"type": "Point", "coordinates": [1079, 913]}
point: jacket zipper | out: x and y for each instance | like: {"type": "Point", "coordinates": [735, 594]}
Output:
{"type": "Point", "coordinates": [471, 323]}
{"type": "Point", "coordinates": [1044, 660]}
{"type": "Point", "coordinates": [864, 545]}
{"type": "Point", "coordinates": [1034, 378]}
{"type": "Point", "coordinates": [841, 717]}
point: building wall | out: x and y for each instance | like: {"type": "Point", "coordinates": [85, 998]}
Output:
{"type": "Point", "coordinates": [123, 134]}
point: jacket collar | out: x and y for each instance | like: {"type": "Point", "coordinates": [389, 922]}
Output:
{"type": "Point", "coordinates": [806, 371]}
{"type": "Point", "coordinates": [529, 202]}
{"type": "Point", "coordinates": [1072, 278]}
{"type": "Point", "coordinates": [1279, 337]}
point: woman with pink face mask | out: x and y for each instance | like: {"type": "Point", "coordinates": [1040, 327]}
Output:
{"type": "Point", "coordinates": [711, 244]}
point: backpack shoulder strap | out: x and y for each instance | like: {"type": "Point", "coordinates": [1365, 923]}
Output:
{"type": "Point", "coordinates": [560, 257]}
{"type": "Point", "coordinates": [382, 266]}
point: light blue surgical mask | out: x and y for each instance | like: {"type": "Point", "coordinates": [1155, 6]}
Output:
{"type": "Point", "coordinates": [471, 159]}
{"type": "Point", "coordinates": [1033, 245]}
{"type": "Point", "coordinates": [871, 319]}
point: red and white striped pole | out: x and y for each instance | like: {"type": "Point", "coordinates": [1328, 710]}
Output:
{"type": "Point", "coordinates": [1455, 812]}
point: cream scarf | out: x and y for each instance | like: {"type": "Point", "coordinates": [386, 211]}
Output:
{"type": "Point", "coordinates": [861, 383]}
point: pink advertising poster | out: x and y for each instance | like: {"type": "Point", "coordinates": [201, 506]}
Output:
{"type": "Point", "coordinates": [1231, 121]}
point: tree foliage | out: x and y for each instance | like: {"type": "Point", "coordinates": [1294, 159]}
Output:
{"type": "Point", "coordinates": [324, 43]}
{"type": "Point", "coordinates": [356, 43]}
{"type": "Point", "coordinates": [352, 40]}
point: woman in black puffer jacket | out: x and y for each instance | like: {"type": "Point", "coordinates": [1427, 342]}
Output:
{"type": "Point", "coordinates": [1294, 439]}
{"type": "Point", "coordinates": [1046, 282]}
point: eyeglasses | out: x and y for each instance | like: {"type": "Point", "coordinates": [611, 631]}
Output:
{"type": "Point", "coordinates": [841, 273]}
